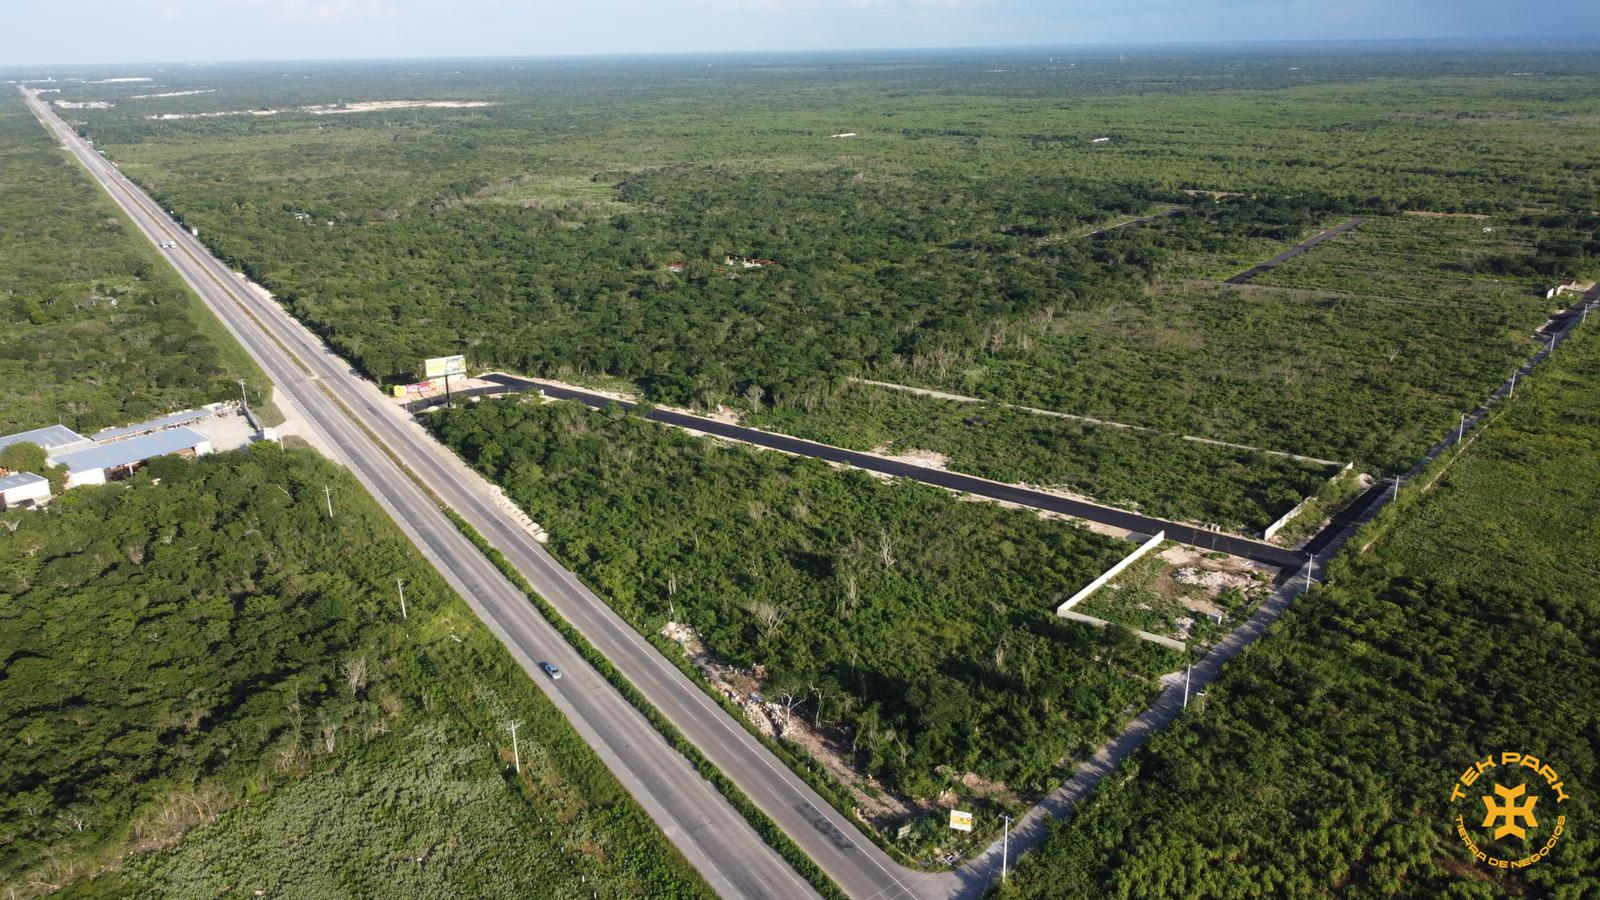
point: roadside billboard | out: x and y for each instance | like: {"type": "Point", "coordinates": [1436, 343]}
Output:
{"type": "Point", "coordinates": [421, 387]}
{"type": "Point", "coordinates": [960, 821]}
{"type": "Point", "coordinates": [444, 366]}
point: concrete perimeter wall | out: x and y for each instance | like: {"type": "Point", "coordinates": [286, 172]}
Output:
{"type": "Point", "coordinates": [1277, 526]}
{"type": "Point", "coordinates": [1112, 572]}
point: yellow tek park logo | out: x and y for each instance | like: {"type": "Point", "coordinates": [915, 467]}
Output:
{"type": "Point", "coordinates": [1516, 783]}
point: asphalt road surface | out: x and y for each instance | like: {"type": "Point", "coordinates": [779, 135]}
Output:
{"type": "Point", "coordinates": [1294, 251]}
{"type": "Point", "coordinates": [716, 840]}
{"type": "Point", "coordinates": [1259, 551]}
{"type": "Point", "coordinates": [695, 817]}
{"type": "Point", "coordinates": [1134, 223]}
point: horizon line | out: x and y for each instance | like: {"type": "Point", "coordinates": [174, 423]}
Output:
{"type": "Point", "coordinates": [1530, 42]}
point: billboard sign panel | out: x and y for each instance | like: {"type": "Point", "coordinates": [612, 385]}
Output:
{"type": "Point", "coordinates": [960, 821]}
{"type": "Point", "coordinates": [444, 366]}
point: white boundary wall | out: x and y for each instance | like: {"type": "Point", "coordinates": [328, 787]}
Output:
{"type": "Point", "coordinates": [1112, 572]}
{"type": "Point", "coordinates": [1275, 527]}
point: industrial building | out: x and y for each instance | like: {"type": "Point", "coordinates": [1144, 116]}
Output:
{"type": "Point", "coordinates": [50, 437]}
{"type": "Point", "coordinates": [24, 490]}
{"type": "Point", "coordinates": [186, 417]}
{"type": "Point", "coordinates": [111, 454]}
{"type": "Point", "coordinates": [98, 463]}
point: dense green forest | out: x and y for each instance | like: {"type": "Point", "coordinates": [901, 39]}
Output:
{"type": "Point", "coordinates": [1364, 349]}
{"type": "Point", "coordinates": [211, 674]}
{"type": "Point", "coordinates": [1156, 473]}
{"type": "Point", "coordinates": [594, 218]}
{"type": "Point", "coordinates": [926, 623]}
{"type": "Point", "coordinates": [205, 685]}
{"type": "Point", "coordinates": [536, 232]}
{"type": "Point", "coordinates": [98, 331]}
{"type": "Point", "coordinates": [1321, 762]}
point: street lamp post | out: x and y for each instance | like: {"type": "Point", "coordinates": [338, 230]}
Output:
{"type": "Point", "coordinates": [516, 753]}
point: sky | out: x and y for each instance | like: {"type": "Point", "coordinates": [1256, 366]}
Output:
{"type": "Point", "coordinates": [108, 31]}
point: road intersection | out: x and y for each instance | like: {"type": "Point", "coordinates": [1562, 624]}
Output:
{"type": "Point", "coordinates": [394, 457]}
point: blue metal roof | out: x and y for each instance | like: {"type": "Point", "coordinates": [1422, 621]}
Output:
{"type": "Point", "coordinates": [46, 437]}
{"type": "Point", "coordinates": [177, 418]}
{"type": "Point", "coordinates": [19, 479]}
{"type": "Point", "coordinates": [132, 450]}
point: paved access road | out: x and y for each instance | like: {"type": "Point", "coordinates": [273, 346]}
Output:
{"type": "Point", "coordinates": [1259, 551]}
{"type": "Point", "coordinates": [700, 822]}
{"type": "Point", "coordinates": [1294, 251]}
{"type": "Point", "coordinates": [709, 832]}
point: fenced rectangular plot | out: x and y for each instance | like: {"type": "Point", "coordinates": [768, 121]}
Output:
{"type": "Point", "coordinates": [1337, 375]}
{"type": "Point", "coordinates": [907, 608]}
{"type": "Point", "coordinates": [1237, 489]}
{"type": "Point", "coordinates": [1453, 261]}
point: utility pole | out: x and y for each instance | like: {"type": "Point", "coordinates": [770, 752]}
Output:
{"type": "Point", "coordinates": [1395, 494]}
{"type": "Point", "coordinates": [1513, 391]}
{"type": "Point", "coordinates": [327, 493]}
{"type": "Point", "coordinates": [1461, 430]}
{"type": "Point", "coordinates": [516, 754]}
{"type": "Point", "coordinates": [1186, 673]}
{"type": "Point", "coordinates": [1310, 579]}
{"type": "Point", "coordinates": [400, 585]}
{"type": "Point", "coordinates": [1005, 850]}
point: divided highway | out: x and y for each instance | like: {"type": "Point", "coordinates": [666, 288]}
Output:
{"type": "Point", "coordinates": [364, 430]}
{"type": "Point", "coordinates": [714, 837]}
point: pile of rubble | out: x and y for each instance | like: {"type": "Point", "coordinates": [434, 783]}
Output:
{"type": "Point", "coordinates": [742, 689]}
{"type": "Point", "coordinates": [1211, 579]}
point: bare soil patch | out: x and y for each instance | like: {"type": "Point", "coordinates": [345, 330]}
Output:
{"type": "Point", "coordinates": [781, 718]}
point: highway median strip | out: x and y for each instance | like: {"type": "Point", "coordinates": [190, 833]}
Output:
{"type": "Point", "coordinates": [764, 826]}
{"type": "Point", "coordinates": [758, 820]}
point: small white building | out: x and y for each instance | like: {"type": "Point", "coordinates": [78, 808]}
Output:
{"type": "Point", "coordinates": [24, 490]}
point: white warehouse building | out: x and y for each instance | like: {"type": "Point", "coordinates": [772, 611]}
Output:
{"type": "Point", "coordinates": [99, 463]}
{"type": "Point", "coordinates": [24, 489]}
{"type": "Point", "coordinates": [53, 438]}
